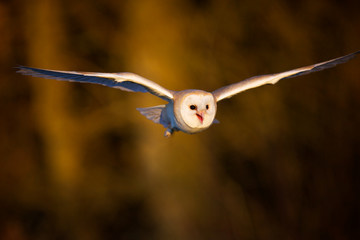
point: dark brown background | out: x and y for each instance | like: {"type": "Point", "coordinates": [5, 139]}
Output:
{"type": "Point", "coordinates": [79, 162]}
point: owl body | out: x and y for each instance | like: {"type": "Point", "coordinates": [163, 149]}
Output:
{"type": "Point", "coordinates": [189, 111]}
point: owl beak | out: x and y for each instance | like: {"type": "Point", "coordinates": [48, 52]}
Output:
{"type": "Point", "coordinates": [200, 116]}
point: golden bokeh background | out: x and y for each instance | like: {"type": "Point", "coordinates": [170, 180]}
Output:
{"type": "Point", "coordinates": [79, 162]}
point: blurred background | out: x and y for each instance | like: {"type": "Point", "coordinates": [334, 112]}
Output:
{"type": "Point", "coordinates": [77, 161]}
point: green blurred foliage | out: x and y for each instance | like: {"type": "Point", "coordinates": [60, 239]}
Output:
{"type": "Point", "coordinates": [79, 162]}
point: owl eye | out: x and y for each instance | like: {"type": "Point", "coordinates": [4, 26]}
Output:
{"type": "Point", "coordinates": [192, 107]}
{"type": "Point", "coordinates": [207, 106]}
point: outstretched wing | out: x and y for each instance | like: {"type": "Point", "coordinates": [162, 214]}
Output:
{"type": "Point", "coordinates": [257, 81]}
{"type": "Point", "coordinates": [124, 81]}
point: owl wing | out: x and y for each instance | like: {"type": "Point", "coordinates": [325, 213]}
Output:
{"type": "Point", "coordinates": [257, 81]}
{"type": "Point", "coordinates": [124, 81]}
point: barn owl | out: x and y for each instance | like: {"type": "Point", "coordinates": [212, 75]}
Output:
{"type": "Point", "coordinates": [189, 111]}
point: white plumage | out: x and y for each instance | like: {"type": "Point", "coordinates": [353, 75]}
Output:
{"type": "Point", "coordinates": [190, 111]}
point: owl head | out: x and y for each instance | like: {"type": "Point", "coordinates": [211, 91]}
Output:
{"type": "Point", "coordinates": [195, 109]}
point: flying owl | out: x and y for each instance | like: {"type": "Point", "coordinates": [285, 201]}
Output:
{"type": "Point", "coordinates": [190, 111]}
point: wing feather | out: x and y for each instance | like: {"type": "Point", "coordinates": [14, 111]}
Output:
{"type": "Point", "coordinates": [124, 81]}
{"type": "Point", "coordinates": [257, 81]}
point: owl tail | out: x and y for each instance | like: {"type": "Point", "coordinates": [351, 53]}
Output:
{"type": "Point", "coordinates": [155, 114]}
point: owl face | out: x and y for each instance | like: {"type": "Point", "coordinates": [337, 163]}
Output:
{"type": "Point", "coordinates": [196, 109]}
